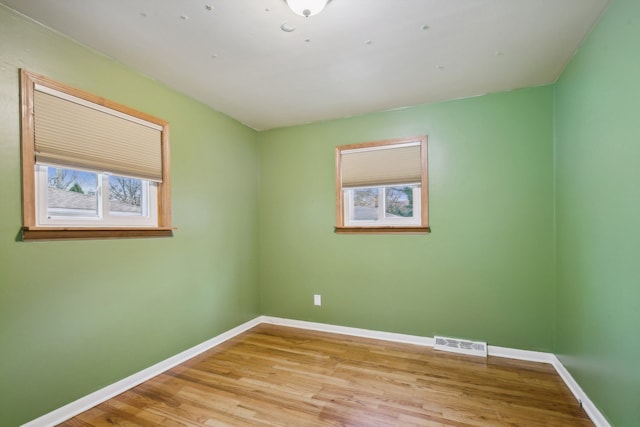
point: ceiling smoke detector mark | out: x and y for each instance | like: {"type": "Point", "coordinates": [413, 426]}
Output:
{"type": "Point", "coordinates": [287, 28]}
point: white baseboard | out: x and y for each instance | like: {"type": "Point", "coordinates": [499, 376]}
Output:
{"type": "Point", "coordinates": [344, 330]}
{"type": "Point", "coordinates": [85, 403]}
{"type": "Point", "coordinates": [532, 356]}
{"type": "Point", "coordinates": [592, 411]}
{"type": "Point", "coordinates": [527, 355]}
{"type": "Point", "coordinates": [89, 401]}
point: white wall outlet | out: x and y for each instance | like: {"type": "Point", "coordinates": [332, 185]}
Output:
{"type": "Point", "coordinates": [317, 300]}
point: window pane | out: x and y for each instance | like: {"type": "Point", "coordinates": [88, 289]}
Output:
{"type": "Point", "coordinates": [71, 193]}
{"type": "Point", "coordinates": [365, 204]}
{"type": "Point", "coordinates": [399, 201]}
{"type": "Point", "coordinates": [125, 195]}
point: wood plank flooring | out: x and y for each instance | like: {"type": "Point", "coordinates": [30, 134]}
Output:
{"type": "Point", "coordinates": [277, 376]}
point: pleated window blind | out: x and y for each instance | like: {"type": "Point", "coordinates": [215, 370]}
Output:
{"type": "Point", "coordinates": [381, 165]}
{"type": "Point", "coordinates": [69, 131]}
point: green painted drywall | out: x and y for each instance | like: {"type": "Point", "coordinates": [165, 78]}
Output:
{"type": "Point", "coordinates": [77, 316]}
{"type": "Point", "coordinates": [597, 127]}
{"type": "Point", "coordinates": [485, 272]}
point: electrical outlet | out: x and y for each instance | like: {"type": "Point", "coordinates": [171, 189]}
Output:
{"type": "Point", "coordinates": [317, 300]}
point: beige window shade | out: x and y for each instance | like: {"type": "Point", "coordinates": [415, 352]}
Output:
{"type": "Point", "coordinates": [378, 166]}
{"type": "Point", "coordinates": [68, 133]}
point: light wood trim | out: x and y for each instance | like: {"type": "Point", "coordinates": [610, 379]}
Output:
{"type": "Point", "coordinates": [382, 230]}
{"type": "Point", "coordinates": [424, 188]}
{"type": "Point", "coordinates": [339, 195]}
{"type": "Point", "coordinates": [381, 143]}
{"type": "Point", "coordinates": [28, 80]}
{"type": "Point", "coordinates": [28, 155]}
{"type": "Point", "coordinates": [69, 233]}
{"type": "Point", "coordinates": [164, 187]}
{"type": "Point", "coordinates": [423, 228]}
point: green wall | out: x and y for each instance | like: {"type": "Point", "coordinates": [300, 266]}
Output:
{"type": "Point", "coordinates": [598, 214]}
{"type": "Point", "coordinates": [485, 272]}
{"type": "Point", "coordinates": [77, 316]}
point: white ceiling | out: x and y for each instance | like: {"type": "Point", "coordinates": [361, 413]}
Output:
{"type": "Point", "coordinates": [355, 57]}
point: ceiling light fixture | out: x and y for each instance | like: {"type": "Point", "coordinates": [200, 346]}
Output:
{"type": "Point", "coordinates": [306, 8]}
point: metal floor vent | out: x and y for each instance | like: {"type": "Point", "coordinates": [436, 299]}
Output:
{"type": "Point", "coordinates": [474, 348]}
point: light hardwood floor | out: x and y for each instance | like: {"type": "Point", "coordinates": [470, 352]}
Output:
{"type": "Point", "coordinates": [280, 376]}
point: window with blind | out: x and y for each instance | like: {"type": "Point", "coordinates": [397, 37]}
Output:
{"type": "Point", "coordinates": [381, 187]}
{"type": "Point", "coordinates": [91, 168]}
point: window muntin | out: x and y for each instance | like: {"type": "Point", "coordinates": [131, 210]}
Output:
{"type": "Point", "coordinates": [382, 187]}
{"type": "Point", "coordinates": [133, 148]}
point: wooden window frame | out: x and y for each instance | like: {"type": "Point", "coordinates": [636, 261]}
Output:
{"type": "Point", "coordinates": [30, 229]}
{"type": "Point", "coordinates": [422, 228]}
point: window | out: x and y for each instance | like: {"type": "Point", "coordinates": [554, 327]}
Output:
{"type": "Point", "coordinates": [381, 187]}
{"type": "Point", "coordinates": [91, 168]}
{"type": "Point", "coordinates": [71, 197]}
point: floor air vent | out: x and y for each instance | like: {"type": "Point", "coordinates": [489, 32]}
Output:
{"type": "Point", "coordinates": [474, 348]}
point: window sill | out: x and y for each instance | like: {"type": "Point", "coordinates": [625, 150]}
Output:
{"type": "Point", "coordinates": [79, 233]}
{"type": "Point", "coordinates": [382, 230]}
